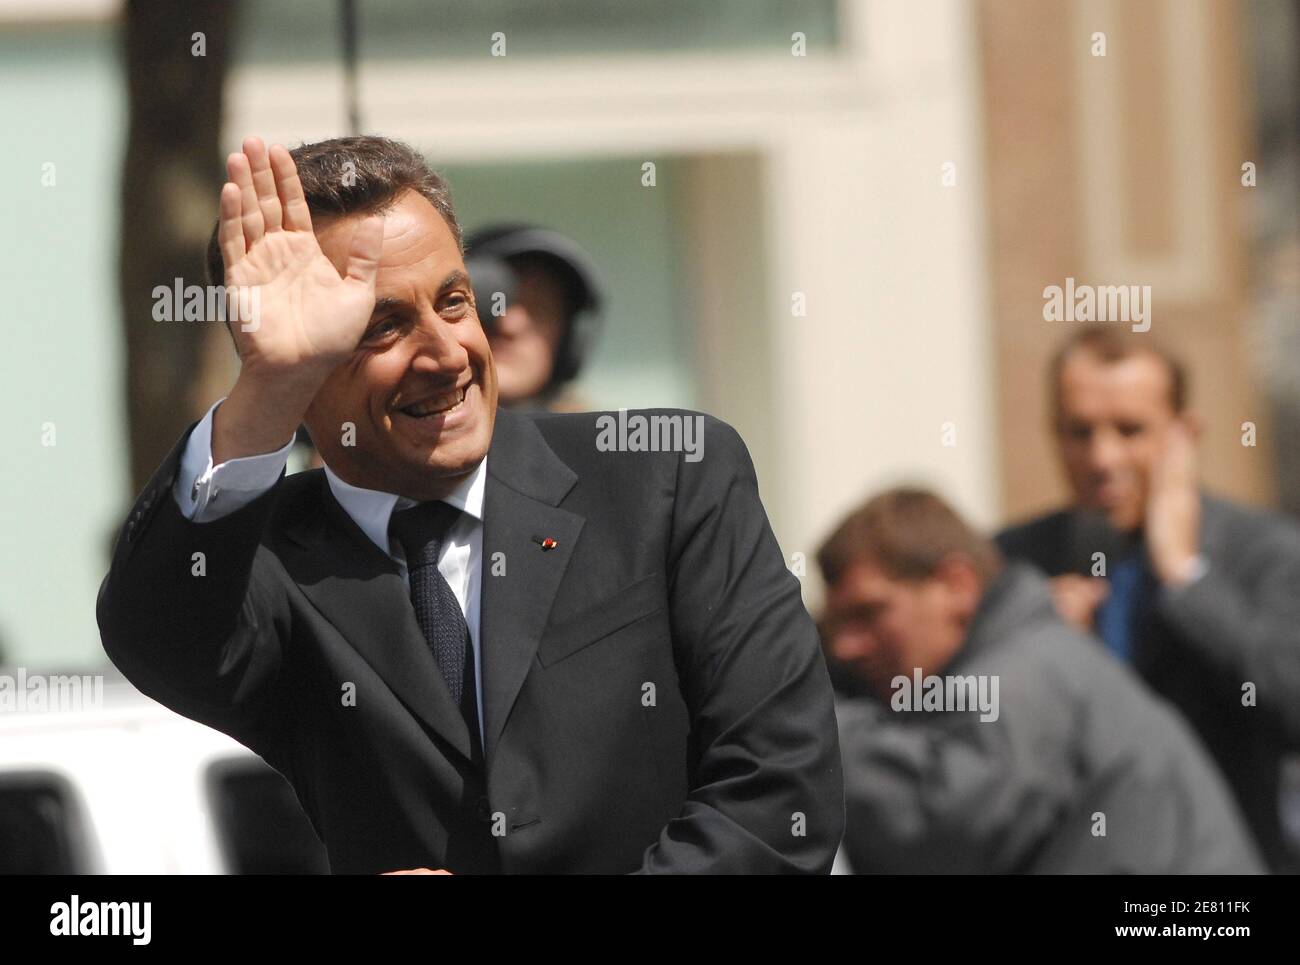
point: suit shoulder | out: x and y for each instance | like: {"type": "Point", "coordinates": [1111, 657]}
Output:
{"type": "Point", "coordinates": [298, 495]}
{"type": "Point", "coordinates": [1234, 528]}
{"type": "Point", "coordinates": [1238, 517]}
{"type": "Point", "coordinates": [560, 422]}
{"type": "Point", "coordinates": [297, 484]}
{"type": "Point", "coordinates": [678, 433]}
{"type": "Point", "coordinates": [1020, 540]}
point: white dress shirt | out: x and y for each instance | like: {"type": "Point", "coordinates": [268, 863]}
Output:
{"type": "Point", "coordinates": [206, 492]}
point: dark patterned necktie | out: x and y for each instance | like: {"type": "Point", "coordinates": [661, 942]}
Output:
{"type": "Point", "coordinates": [421, 531]}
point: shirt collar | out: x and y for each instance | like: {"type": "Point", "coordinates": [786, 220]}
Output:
{"type": "Point", "coordinates": [370, 509]}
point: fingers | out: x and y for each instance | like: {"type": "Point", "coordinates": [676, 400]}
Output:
{"type": "Point", "coordinates": [363, 254]}
{"type": "Point", "coordinates": [1176, 464]}
{"type": "Point", "coordinates": [266, 196]}
{"type": "Point", "coordinates": [297, 216]}
{"type": "Point", "coordinates": [264, 183]}
{"type": "Point", "coordinates": [250, 215]}
{"type": "Point", "coordinates": [230, 232]}
{"type": "Point", "coordinates": [1184, 455]}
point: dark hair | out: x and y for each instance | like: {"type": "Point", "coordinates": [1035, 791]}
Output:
{"type": "Point", "coordinates": [908, 533]}
{"type": "Point", "coordinates": [380, 170]}
{"type": "Point", "coordinates": [1109, 345]}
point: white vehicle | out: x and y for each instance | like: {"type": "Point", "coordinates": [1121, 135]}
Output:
{"type": "Point", "coordinates": [129, 787]}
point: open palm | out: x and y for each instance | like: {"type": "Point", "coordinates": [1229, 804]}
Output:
{"type": "Point", "coordinates": [305, 317]}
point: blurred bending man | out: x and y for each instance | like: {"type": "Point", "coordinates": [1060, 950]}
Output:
{"type": "Point", "coordinates": [982, 734]}
{"type": "Point", "coordinates": [1200, 596]}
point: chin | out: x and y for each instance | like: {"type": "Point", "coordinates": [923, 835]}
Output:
{"type": "Point", "coordinates": [1127, 524]}
{"type": "Point", "coordinates": [1122, 519]}
{"type": "Point", "coordinates": [451, 459]}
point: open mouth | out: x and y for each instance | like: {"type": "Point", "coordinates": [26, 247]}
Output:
{"type": "Point", "coordinates": [437, 405]}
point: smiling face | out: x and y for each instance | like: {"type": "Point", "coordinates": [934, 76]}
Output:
{"type": "Point", "coordinates": [1113, 419]}
{"type": "Point", "coordinates": [420, 389]}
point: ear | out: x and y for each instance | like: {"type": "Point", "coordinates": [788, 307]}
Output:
{"type": "Point", "coordinates": [1193, 423]}
{"type": "Point", "coordinates": [959, 578]}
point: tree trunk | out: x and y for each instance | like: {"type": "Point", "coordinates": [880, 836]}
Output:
{"type": "Point", "coordinates": [171, 181]}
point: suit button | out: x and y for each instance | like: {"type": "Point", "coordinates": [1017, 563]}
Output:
{"type": "Point", "coordinates": [484, 810]}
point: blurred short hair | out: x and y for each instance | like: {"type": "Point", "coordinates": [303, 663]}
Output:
{"type": "Point", "coordinates": [381, 171]}
{"type": "Point", "coordinates": [1110, 344]}
{"type": "Point", "coordinates": [908, 533]}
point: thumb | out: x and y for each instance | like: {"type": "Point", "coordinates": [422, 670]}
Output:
{"type": "Point", "coordinates": [363, 254]}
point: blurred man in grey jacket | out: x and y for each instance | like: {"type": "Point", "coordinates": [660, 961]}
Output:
{"type": "Point", "coordinates": [982, 734]}
{"type": "Point", "coordinates": [1199, 595]}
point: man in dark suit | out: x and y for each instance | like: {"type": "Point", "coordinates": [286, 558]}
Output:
{"type": "Point", "coordinates": [476, 641]}
{"type": "Point", "coordinates": [1199, 595]}
{"type": "Point", "coordinates": [1025, 748]}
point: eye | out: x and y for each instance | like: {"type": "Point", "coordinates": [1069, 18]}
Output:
{"type": "Point", "coordinates": [1079, 433]}
{"type": "Point", "coordinates": [455, 304]}
{"type": "Point", "coordinates": [386, 327]}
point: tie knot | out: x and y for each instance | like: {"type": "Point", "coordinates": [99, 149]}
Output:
{"type": "Point", "coordinates": [421, 530]}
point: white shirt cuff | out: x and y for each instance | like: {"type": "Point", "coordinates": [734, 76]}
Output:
{"type": "Point", "coordinates": [1193, 570]}
{"type": "Point", "coordinates": [205, 492]}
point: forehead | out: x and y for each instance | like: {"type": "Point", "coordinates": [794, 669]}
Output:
{"type": "Point", "coordinates": [862, 580]}
{"type": "Point", "coordinates": [538, 274]}
{"type": "Point", "coordinates": [1137, 383]}
{"type": "Point", "coordinates": [416, 240]}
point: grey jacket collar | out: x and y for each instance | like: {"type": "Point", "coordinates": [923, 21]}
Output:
{"type": "Point", "coordinates": [1017, 598]}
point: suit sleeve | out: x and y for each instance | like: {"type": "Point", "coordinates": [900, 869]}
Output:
{"type": "Point", "coordinates": [1251, 635]}
{"type": "Point", "coordinates": [182, 615]}
{"type": "Point", "coordinates": [950, 794]}
{"type": "Point", "coordinates": [767, 793]}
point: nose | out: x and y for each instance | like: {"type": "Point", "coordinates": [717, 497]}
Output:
{"type": "Point", "coordinates": [851, 644]}
{"type": "Point", "coordinates": [437, 349]}
{"type": "Point", "coordinates": [1104, 450]}
{"type": "Point", "coordinates": [513, 322]}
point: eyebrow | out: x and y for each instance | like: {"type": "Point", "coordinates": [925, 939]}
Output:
{"type": "Point", "coordinates": [388, 303]}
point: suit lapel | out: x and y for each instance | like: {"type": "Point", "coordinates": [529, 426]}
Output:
{"type": "Point", "coordinates": [360, 590]}
{"type": "Point", "coordinates": [526, 482]}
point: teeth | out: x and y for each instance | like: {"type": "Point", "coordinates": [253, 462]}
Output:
{"type": "Point", "coordinates": [434, 406]}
